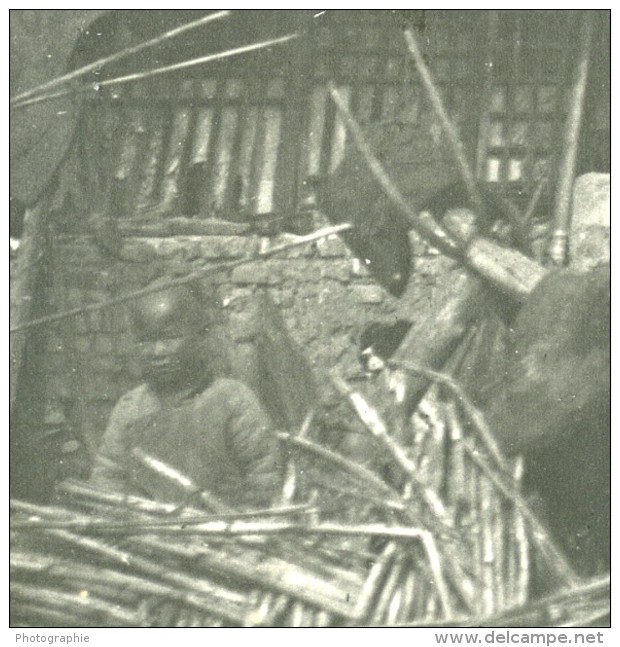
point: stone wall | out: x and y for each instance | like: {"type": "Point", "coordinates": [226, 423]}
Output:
{"type": "Point", "coordinates": [324, 295]}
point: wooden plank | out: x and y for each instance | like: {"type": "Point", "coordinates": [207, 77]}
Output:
{"type": "Point", "coordinates": [339, 134]}
{"type": "Point", "coordinates": [265, 195]}
{"type": "Point", "coordinates": [170, 189]}
{"type": "Point", "coordinates": [186, 182]}
{"type": "Point", "coordinates": [194, 165]}
{"type": "Point", "coordinates": [204, 122]}
{"type": "Point", "coordinates": [235, 183]}
{"type": "Point", "coordinates": [244, 167]}
{"type": "Point", "coordinates": [223, 155]}
{"type": "Point", "coordinates": [316, 128]}
{"type": "Point", "coordinates": [260, 92]}
{"type": "Point", "coordinates": [206, 202]}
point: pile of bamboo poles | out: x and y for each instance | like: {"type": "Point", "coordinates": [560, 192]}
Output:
{"type": "Point", "coordinates": [389, 556]}
{"type": "Point", "coordinates": [447, 543]}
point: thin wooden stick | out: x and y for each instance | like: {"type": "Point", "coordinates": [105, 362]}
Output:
{"type": "Point", "coordinates": [215, 269]}
{"type": "Point", "coordinates": [373, 581]}
{"type": "Point", "coordinates": [558, 244]}
{"type": "Point", "coordinates": [489, 558]}
{"type": "Point", "coordinates": [97, 523]}
{"type": "Point", "coordinates": [117, 56]}
{"type": "Point", "coordinates": [138, 76]}
{"type": "Point", "coordinates": [290, 480]}
{"type": "Point", "coordinates": [119, 503]}
{"type": "Point", "coordinates": [377, 427]}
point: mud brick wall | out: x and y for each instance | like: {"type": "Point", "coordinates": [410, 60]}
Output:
{"type": "Point", "coordinates": [322, 292]}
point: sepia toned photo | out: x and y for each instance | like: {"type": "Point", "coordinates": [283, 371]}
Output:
{"type": "Point", "coordinates": [310, 319]}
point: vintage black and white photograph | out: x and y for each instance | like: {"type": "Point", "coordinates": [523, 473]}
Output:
{"type": "Point", "coordinates": [310, 318]}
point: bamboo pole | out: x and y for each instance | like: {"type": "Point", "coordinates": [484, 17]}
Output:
{"type": "Point", "coordinates": [442, 242]}
{"type": "Point", "coordinates": [377, 427]}
{"type": "Point", "coordinates": [198, 592]}
{"type": "Point", "coordinates": [94, 524]}
{"type": "Point", "coordinates": [71, 570]}
{"type": "Point", "coordinates": [389, 591]}
{"type": "Point", "coordinates": [26, 614]}
{"type": "Point", "coordinates": [138, 76]}
{"type": "Point", "coordinates": [335, 596]}
{"type": "Point", "coordinates": [594, 593]}
{"type": "Point", "coordinates": [359, 472]}
{"type": "Point", "coordinates": [80, 491]}
{"type": "Point", "coordinates": [179, 480]}
{"type": "Point", "coordinates": [489, 557]}
{"type": "Point", "coordinates": [558, 244]}
{"type": "Point", "coordinates": [374, 581]}
{"type": "Point", "coordinates": [458, 150]}
{"type": "Point", "coordinates": [436, 569]}
{"type": "Point", "coordinates": [54, 598]}
{"type": "Point", "coordinates": [117, 56]}
{"type": "Point", "coordinates": [540, 535]}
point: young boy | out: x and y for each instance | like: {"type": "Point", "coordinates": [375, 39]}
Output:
{"type": "Point", "coordinates": [212, 430]}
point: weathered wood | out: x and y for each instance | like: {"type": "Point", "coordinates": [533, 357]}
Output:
{"type": "Point", "coordinates": [430, 341]}
{"type": "Point", "coordinates": [514, 273]}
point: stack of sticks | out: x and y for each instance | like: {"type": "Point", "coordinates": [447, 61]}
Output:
{"type": "Point", "coordinates": [430, 550]}
{"type": "Point", "coordinates": [449, 545]}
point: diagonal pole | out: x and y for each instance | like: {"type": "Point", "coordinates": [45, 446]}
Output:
{"type": "Point", "coordinates": [145, 74]}
{"type": "Point", "coordinates": [117, 56]}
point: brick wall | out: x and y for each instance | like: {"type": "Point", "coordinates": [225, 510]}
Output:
{"type": "Point", "coordinates": [322, 292]}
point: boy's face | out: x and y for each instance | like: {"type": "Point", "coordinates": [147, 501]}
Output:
{"type": "Point", "coordinates": [167, 340]}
